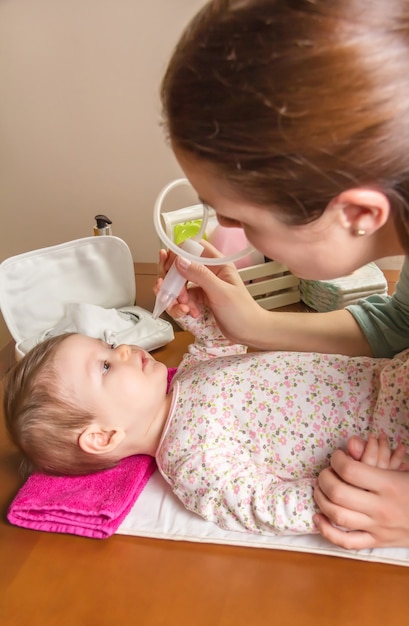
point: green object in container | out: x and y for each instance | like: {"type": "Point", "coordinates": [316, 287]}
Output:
{"type": "Point", "coordinates": [186, 230]}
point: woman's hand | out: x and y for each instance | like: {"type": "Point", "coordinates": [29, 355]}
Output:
{"type": "Point", "coordinates": [366, 492]}
{"type": "Point", "coordinates": [221, 289]}
{"type": "Point", "coordinates": [378, 453]}
{"type": "Point", "coordinates": [184, 304]}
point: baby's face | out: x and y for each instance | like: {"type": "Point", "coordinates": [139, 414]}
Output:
{"type": "Point", "coordinates": [123, 387]}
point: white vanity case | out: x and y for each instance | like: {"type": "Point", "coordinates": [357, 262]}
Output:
{"type": "Point", "coordinates": [36, 288]}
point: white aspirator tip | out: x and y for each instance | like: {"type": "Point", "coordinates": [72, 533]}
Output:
{"type": "Point", "coordinates": [163, 300]}
{"type": "Point", "coordinates": [173, 282]}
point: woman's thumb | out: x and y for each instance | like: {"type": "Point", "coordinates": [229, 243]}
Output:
{"type": "Point", "coordinates": [196, 272]}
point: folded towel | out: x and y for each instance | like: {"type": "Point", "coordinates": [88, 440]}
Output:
{"type": "Point", "coordinates": [91, 506]}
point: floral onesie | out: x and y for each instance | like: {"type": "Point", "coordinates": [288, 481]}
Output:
{"type": "Point", "coordinates": [248, 433]}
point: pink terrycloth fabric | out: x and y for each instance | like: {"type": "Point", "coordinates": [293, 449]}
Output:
{"type": "Point", "coordinates": [171, 372]}
{"type": "Point", "coordinates": [90, 506]}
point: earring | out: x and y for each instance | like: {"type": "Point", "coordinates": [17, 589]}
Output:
{"type": "Point", "coordinates": [359, 232]}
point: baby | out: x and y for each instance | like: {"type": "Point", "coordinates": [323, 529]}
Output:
{"type": "Point", "coordinates": [240, 437]}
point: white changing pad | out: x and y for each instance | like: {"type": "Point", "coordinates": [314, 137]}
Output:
{"type": "Point", "coordinates": [159, 514]}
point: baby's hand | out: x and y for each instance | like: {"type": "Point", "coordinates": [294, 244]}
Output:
{"type": "Point", "coordinates": [186, 303]}
{"type": "Point", "coordinates": [377, 452]}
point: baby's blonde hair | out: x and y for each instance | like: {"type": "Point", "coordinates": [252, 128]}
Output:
{"type": "Point", "coordinates": [42, 420]}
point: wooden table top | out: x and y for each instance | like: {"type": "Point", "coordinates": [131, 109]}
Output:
{"type": "Point", "coordinates": [50, 579]}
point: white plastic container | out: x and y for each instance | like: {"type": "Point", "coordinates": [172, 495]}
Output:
{"type": "Point", "coordinates": [36, 286]}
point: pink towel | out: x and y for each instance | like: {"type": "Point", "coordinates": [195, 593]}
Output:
{"type": "Point", "coordinates": [171, 372]}
{"type": "Point", "coordinates": [91, 506]}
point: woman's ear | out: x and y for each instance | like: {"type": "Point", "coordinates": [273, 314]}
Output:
{"type": "Point", "coordinates": [97, 440]}
{"type": "Point", "coordinates": [363, 211]}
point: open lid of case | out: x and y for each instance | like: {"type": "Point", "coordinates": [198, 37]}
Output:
{"type": "Point", "coordinates": [36, 286]}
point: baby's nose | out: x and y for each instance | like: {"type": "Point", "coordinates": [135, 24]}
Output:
{"type": "Point", "coordinates": [123, 351]}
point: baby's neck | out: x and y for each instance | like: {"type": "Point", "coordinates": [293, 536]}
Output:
{"type": "Point", "coordinates": [160, 421]}
{"type": "Point", "coordinates": [132, 444]}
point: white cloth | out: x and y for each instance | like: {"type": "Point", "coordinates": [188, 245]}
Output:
{"type": "Point", "coordinates": [94, 321]}
{"type": "Point", "coordinates": [129, 324]}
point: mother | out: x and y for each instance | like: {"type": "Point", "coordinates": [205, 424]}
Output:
{"type": "Point", "coordinates": [291, 119]}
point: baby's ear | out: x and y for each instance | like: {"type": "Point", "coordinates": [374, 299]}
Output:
{"type": "Point", "coordinates": [97, 440]}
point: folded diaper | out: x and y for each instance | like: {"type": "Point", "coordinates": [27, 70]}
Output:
{"type": "Point", "coordinates": [329, 295]}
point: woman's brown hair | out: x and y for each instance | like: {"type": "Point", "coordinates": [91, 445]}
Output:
{"type": "Point", "coordinates": [294, 101]}
{"type": "Point", "coordinates": [42, 420]}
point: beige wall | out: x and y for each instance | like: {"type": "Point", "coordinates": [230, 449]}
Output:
{"type": "Point", "coordinates": [79, 119]}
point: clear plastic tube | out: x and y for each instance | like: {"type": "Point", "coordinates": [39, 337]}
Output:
{"type": "Point", "coordinates": [183, 252]}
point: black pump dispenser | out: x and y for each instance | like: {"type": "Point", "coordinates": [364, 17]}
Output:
{"type": "Point", "coordinates": [103, 225]}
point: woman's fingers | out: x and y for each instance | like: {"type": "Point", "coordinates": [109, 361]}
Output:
{"type": "Point", "coordinates": [349, 540]}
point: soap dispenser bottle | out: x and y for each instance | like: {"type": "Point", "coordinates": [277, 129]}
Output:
{"type": "Point", "coordinates": [103, 225]}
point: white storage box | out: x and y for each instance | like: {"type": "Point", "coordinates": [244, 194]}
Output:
{"type": "Point", "coordinates": [37, 288]}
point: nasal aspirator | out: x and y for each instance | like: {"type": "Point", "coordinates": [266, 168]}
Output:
{"type": "Point", "coordinates": [173, 282]}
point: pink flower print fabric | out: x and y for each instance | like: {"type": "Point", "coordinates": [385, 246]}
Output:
{"type": "Point", "coordinates": [248, 434]}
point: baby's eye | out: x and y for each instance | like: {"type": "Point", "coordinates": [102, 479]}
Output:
{"type": "Point", "coordinates": [106, 366]}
